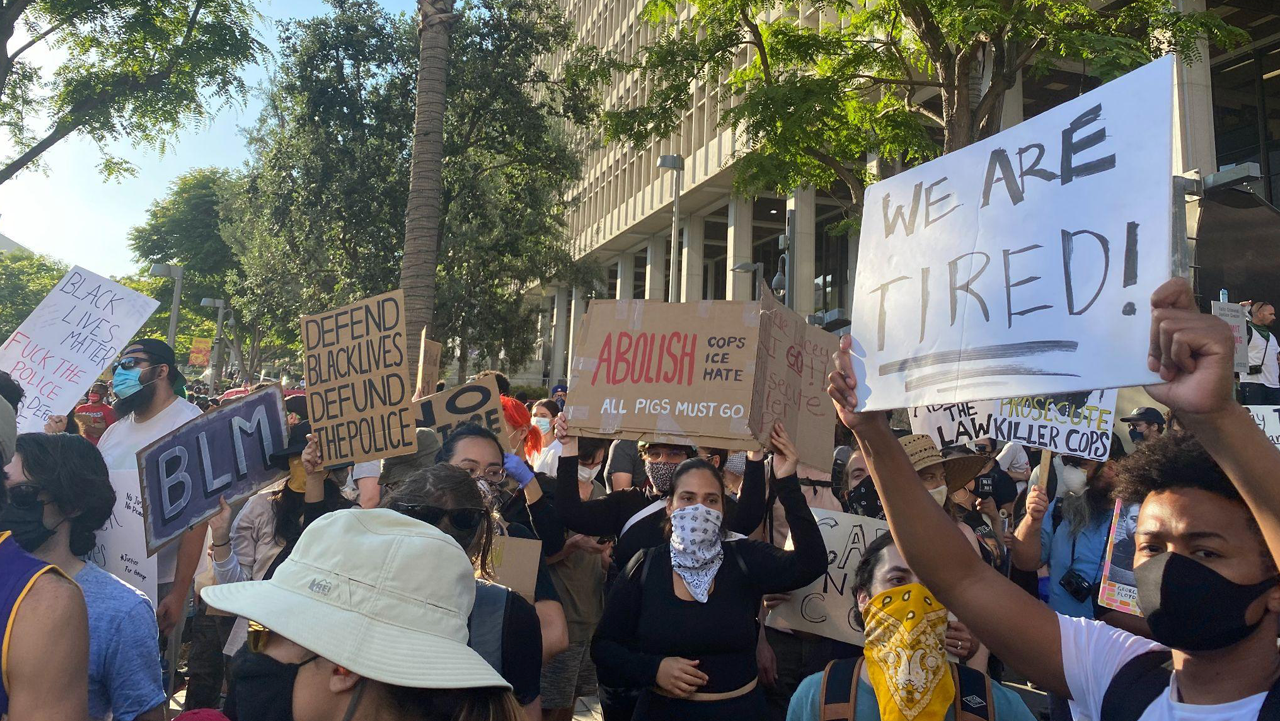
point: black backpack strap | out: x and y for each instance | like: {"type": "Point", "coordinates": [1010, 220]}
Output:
{"type": "Point", "coordinates": [1137, 685]}
{"type": "Point", "coordinates": [973, 695]}
{"type": "Point", "coordinates": [1270, 710]}
{"type": "Point", "coordinates": [839, 694]}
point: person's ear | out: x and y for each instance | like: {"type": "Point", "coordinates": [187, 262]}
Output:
{"type": "Point", "coordinates": [1273, 600]}
{"type": "Point", "coordinates": [715, 461]}
{"type": "Point", "coordinates": [863, 599]}
{"type": "Point", "coordinates": [343, 681]}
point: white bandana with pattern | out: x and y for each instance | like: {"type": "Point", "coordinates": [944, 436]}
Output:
{"type": "Point", "coordinates": [696, 553]}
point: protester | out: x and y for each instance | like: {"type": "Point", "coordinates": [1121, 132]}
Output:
{"type": "Point", "coordinates": [398, 468]}
{"type": "Point", "coordinates": [96, 416]}
{"type": "Point", "coordinates": [62, 424]}
{"type": "Point", "coordinates": [548, 457]}
{"type": "Point", "coordinates": [625, 467]}
{"type": "Point", "coordinates": [479, 452]}
{"type": "Point", "coordinates": [10, 391]}
{"type": "Point", "coordinates": [505, 629]}
{"type": "Point", "coordinates": [861, 498]}
{"type": "Point", "coordinates": [499, 378]}
{"type": "Point", "coordinates": [44, 672]}
{"type": "Point", "coordinates": [901, 620]}
{"type": "Point", "coordinates": [1145, 424]}
{"type": "Point", "coordinates": [1012, 457]}
{"type": "Point", "coordinates": [59, 496]}
{"type": "Point", "coordinates": [1208, 538]}
{"type": "Point", "coordinates": [366, 620]}
{"type": "Point", "coordinates": [993, 481]}
{"type": "Point", "coordinates": [150, 405]}
{"type": "Point", "coordinates": [1260, 385]}
{"type": "Point", "coordinates": [525, 437]}
{"type": "Point", "coordinates": [681, 622]}
{"type": "Point", "coordinates": [735, 465]}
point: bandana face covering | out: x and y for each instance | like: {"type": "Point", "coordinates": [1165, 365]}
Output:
{"type": "Point", "coordinates": [737, 463]}
{"type": "Point", "coordinates": [906, 629]}
{"type": "Point", "coordinates": [660, 475]}
{"type": "Point", "coordinates": [696, 553]}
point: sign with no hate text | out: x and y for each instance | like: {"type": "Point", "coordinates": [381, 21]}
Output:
{"type": "Point", "coordinates": [359, 393]}
{"type": "Point", "coordinates": [223, 453]}
{"type": "Point", "coordinates": [476, 402]}
{"type": "Point", "coordinates": [1022, 264]}
{"type": "Point", "coordinates": [68, 341]}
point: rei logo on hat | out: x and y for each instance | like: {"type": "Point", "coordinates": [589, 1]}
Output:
{"type": "Point", "coordinates": [320, 586]}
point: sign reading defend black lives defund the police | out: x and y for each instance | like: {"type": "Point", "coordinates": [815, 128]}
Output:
{"type": "Point", "coordinates": [1022, 264]}
{"type": "Point", "coordinates": [359, 395]}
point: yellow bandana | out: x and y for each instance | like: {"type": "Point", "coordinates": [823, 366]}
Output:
{"type": "Point", "coordinates": [906, 630]}
{"type": "Point", "coordinates": [297, 475]}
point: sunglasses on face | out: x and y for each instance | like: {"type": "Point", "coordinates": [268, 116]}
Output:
{"type": "Point", "coordinates": [128, 364]}
{"type": "Point", "coordinates": [463, 519]}
{"type": "Point", "coordinates": [23, 495]}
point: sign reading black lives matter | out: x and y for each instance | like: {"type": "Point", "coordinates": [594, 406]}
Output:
{"type": "Point", "coordinates": [359, 394]}
{"type": "Point", "coordinates": [1022, 264]}
{"type": "Point", "coordinates": [225, 452]}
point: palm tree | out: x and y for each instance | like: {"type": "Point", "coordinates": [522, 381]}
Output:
{"type": "Point", "coordinates": [422, 215]}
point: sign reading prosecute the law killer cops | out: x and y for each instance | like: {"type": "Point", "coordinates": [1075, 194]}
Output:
{"type": "Point", "coordinates": [714, 373]}
{"type": "Point", "coordinates": [359, 395]}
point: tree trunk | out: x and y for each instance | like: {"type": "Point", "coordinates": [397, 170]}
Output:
{"type": "Point", "coordinates": [422, 214]}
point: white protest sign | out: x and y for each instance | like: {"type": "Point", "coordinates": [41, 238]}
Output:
{"type": "Point", "coordinates": [1073, 424]}
{"type": "Point", "coordinates": [68, 340]}
{"type": "Point", "coordinates": [828, 606]}
{"type": "Point", "coordinates": [953, 424]}
{"type": "Point", "coordinates": [1233, 314]}
{"type": "Point", "coordinates": [1268, 419]}
{"type": "Point", "coordinates": [1022, 264]}
{"type": "Point", "coordinates": [122, 543]}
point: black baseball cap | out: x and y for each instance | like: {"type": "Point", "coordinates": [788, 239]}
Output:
{"type": "Point", "coordinates": [1146, 414]}
{"type": "Point", "coordinates": [163, 355]}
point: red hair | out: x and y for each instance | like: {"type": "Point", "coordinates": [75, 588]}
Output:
{"type": "Point", "coordinates": [518, 418]}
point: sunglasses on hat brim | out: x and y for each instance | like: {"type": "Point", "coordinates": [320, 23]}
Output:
{"type": "Point", "coordinates": [463, 519]}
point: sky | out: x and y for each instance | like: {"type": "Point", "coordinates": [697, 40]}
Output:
{"type": "Point", "coordinates": [68, 211]}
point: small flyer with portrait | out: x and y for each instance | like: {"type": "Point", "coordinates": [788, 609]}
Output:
{"type": "Point", "coordinates": [1119, 589]}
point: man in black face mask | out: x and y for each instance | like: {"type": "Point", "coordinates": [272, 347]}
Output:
{"type": "Point", "coordinates": [1208, 536]}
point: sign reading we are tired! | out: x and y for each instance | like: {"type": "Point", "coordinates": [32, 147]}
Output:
{"type": "Point", "coordinates": [359, 395]}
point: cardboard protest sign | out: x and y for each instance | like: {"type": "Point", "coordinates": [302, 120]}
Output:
{"type": "Point", "coordinates": [1074, 424]}
{"type": "Point", "coordinates": [223, 453]}
{"type": "Point", "coordinates": [475, 402]}
{"type": "Point", "coordinates": [828, 606]}
{"type": "Point", "coordinates": [1022, 264]}
{"type": "Point", "coordinates": [1268, 419]}
{"type": "Point", "coordinates": [201, 348]}
{"type": "Point", "coordinates": [121, 547]}
{"type": "Point", "coordinates": [714, 373]}
{"type": "Point", "coordinates": [1234, 315]}
{"type": "Point", "coordinates": [954, 423]}
{"type": "Point", "coordinates": [515, 564]}
{"type": "Point", "coordinates": [1119, 590]}
{"type": "Point", "coordinates": [68, 341]}
{"type": "Point", "coordinates": [358, 392]}
{"type": "Point", "coordinates": [428, 365]}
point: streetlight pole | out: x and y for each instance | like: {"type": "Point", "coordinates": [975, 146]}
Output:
{"type": "Point", "coordinates": [676, 163]}
{"type": "Point", "coordinates": [757, 274]}
{"type": "Point", "coordinates": [215, 376]}
{"type": "Point", "coordinates": [165, 270]}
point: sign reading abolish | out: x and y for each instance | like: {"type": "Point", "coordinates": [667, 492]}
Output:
{"type": "Point", "coordinates": [1234, 315]}
{"type": "Point", "coordinates": [67, 342]}
{"type": "Point", "coordinates": [828, 606]}
{"type": "Point", "coordinates": [223, 453]}
{"type": "Point", "coordinates": [121, 543]}
{"type": "Point", "coordinates": [715, 373]}
{"type": "Point", "coordinates": [952, 424]}
{"type": "Point", "coordinates": [1073, 424]}
{"type": "Point", "coordinates": [359, 395]}
{"type": "Point", "coordinates": [476, 402]}
{"type": "Point", "coordinates": [1022, 264]}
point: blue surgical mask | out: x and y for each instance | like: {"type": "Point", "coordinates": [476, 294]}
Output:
{"type": "Point", "coordinates": [126, 382]}
{"type": "Point", "coordinates": [543, 424]}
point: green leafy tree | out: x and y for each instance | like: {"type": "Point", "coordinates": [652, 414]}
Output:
{"type": "Point", "coordinates": [813, 100]}
{"type": "Point", "coordinates": [25, 279]}
{"type": "Point", "coordinates": [136, 70]}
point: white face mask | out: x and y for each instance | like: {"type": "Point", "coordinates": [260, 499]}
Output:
{"type": "Point", "coordinates": [1072, 479]}
{"type": "Point", "coordinates": [939, 494]}
{"type": "Point", "coordinates": [586, 474]}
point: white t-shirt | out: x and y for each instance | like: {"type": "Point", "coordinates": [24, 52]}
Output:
{"type": "Point", "coordinates": [1262, 351]}
{"type": "Point", "coordinates": [1092, 653]}
{"type": "Point", "coordinates": [548, 459]}
{"type": "Point", "coordinates": [119, 446]}
{"type": "Point", "coordinates": [1013, 458]}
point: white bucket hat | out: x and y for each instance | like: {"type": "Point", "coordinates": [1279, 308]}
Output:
{"type": "Point", "coordinates": [376, 592]}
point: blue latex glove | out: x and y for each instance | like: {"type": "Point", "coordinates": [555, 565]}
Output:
{"type": "Point", "coordinates": [517, 469]}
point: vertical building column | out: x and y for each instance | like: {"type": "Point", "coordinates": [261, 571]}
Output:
{"type": "Point", "coordinates": [1193, 117]}
{"type": "Point", "coordinates": [655, 287]}
{"type": "Point", "coordinates": [740, 239]}
{"type": "Point", "coordinates": [1011, 112]}
{"type": "Point", "coordinates": [691, 270]}
{"type": "Point", "coordinates": [626, 275]}
{"type": "Point", "coordinates": [559, 334]}
{"type": "Point", "coordinates": [576, 311]}
{"type": "Point", "coordinates": [803, 202]}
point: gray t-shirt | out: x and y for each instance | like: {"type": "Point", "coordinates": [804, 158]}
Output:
{"type": "Point", "coordinates": [124, 666]}
{"type": "Point", "coordinates": [624, 457]}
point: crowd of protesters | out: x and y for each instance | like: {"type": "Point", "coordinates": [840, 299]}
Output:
{"type": "Point", "coordinates": [371, 592]}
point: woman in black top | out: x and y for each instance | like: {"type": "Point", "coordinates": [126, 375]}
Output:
{"type": "Point", "coordinates": [681, 622]}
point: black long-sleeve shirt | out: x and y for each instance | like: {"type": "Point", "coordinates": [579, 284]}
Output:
{"type": "Point", "coordinates": [609, 515]}
{"type": "Point", "coordinates": [644, 621]}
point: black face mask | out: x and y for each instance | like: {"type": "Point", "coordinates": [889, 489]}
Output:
{"type": "Point", "coordinates": [26, 524]}
{"type": "Point", "coordinates": [1136, 435]}
{"type": "Point", "coordinates": [1191, 607]}
{"type": "Point", "coordinates": [264, 688]}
